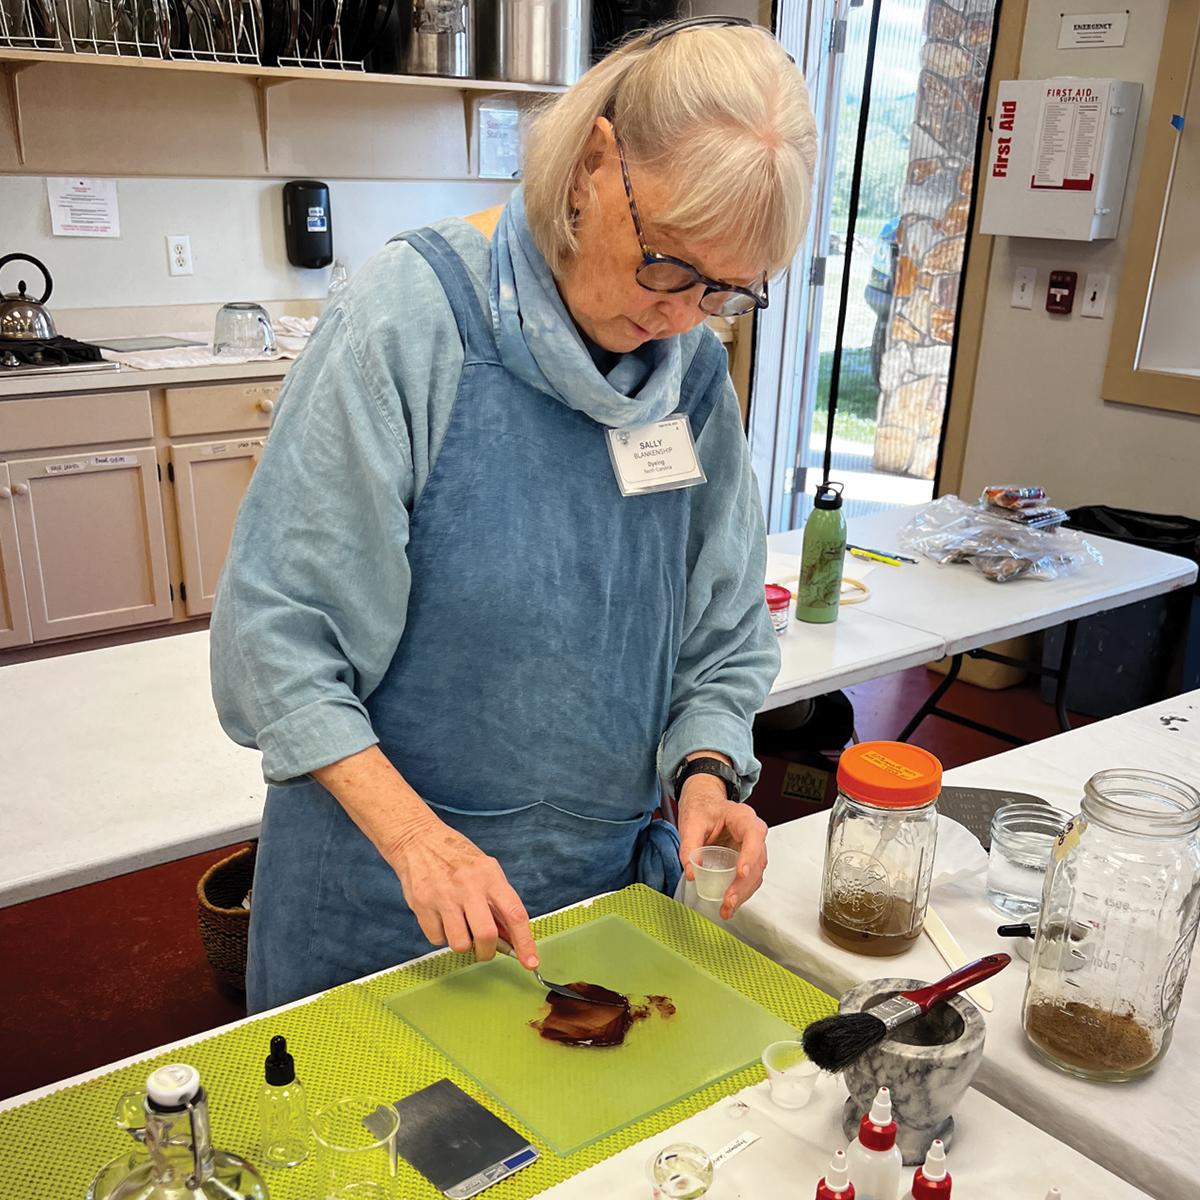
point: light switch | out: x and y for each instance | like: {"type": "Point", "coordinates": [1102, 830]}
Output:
{"type": "Point", "coordinates": [1060, 295]}
{"type": "Point", "coordinates": [1024, 285]}
{"type": "Point", "coordinates": [1095, 296]}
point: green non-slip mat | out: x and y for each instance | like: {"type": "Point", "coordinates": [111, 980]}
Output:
{"type": "Point", "coordinates": [348, 1041]}
{"type": "Point", "coordinates": [570, 1095]}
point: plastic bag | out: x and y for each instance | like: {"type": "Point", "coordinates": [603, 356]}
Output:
{"type": "Point", "coordinates": [950, 531]}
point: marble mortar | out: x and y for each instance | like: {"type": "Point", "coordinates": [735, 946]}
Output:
{"type": "Point", "coordinates": [928, 1064]}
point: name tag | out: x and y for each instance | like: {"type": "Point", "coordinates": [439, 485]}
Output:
{"type": "Point", "coordinates": [655, 458]}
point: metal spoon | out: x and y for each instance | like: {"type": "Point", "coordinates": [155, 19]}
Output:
{"type": "Point", "coordinates": [559, 988]}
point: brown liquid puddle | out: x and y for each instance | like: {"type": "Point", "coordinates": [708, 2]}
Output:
{"type": "Point", "coordinates": [579, 1023]}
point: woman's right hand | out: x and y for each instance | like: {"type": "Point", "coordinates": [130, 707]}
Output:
{"type": "Point", "coordinates": [458, 894]}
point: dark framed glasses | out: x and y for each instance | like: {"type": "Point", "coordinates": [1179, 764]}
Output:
{"type": "Point", "coordinates": [665, 273]}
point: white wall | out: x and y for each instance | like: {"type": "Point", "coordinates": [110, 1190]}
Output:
{"type": "Point", "coordinates": [236, 231]}
{"type": "Point", "coordinates": [1037, 415]}
{"type": "Point", "coordinates": [1170, 342]}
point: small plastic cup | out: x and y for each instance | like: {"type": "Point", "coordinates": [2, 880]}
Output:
{"type": "Point", "coordinates": [715, 868]}
{"type": "Point", "coordinates": [791, 1074]}
{"type": "Point", "coordinates": [680, 1171]}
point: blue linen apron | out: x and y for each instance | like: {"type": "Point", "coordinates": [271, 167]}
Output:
{"type": "Point", "coordinates": [529, 692]}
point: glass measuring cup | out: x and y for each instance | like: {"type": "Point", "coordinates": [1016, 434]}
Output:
{"type": "Point", "coordinates": [243, 330]}
{"type": "Point", "coordinates": [356, 1148]}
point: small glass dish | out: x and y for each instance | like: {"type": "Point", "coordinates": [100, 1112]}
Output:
{"type": "Point", "coordinates": [680, 1171]}
{"type": "Point", "coordinates": [1022, 838]}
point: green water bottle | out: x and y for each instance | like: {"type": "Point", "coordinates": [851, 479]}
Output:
{"type": "Point", "coordinates": [820, 590]}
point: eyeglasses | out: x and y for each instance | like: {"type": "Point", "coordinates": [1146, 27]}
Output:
{"type": "Point", "coordinates": [664, 273]}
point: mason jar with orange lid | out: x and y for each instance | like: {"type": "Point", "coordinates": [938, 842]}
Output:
{"type": "Point", "coordinates": [879, 853]}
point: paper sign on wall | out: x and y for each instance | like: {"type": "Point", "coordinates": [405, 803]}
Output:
{"type": "Point", "coordinates": [1080, 31]}
{"type": "Point", "coordinates": [1069, 130]}
{"type": "Point", "coordinates": [83, 207]}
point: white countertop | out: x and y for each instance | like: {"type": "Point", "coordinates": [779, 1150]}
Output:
{"type": "Point", "coordinates": [113, 760]}
{"type": "Point", "coordinates": [20, 386]}
{"type": "Point", "coordinates": [1136, 1129]}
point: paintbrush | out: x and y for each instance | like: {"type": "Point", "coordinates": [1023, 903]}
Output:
{"type": "Point", "coordinates": [835, 1042]}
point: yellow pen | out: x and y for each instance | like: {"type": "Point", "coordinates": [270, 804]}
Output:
{"type": "Point", "coordinates": [873, 557]}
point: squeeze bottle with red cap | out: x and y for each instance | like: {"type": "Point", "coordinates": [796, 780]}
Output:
{"type": "Point", "coordinates": [932, 1181]}
{"type": "Point", "coordinates": [836, 1185]}
{"type": "Point", "coordinates": [874, 1158]}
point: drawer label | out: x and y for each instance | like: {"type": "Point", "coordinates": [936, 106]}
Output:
{"type": "Point", "coordinates": [65, 468]}
{"type": "Point", "coordinates": [114, 460]}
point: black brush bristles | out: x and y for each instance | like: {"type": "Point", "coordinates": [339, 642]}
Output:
{"type": "Point", "coordinates": [835, 1042]}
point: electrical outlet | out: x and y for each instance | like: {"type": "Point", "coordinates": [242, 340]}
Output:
{"type": "Point", "coordinates": [1095, 296]}
{"type": "Point", "coordinates": [179, 254]}
{"type": "Point", "coordinates": [1024, 285]}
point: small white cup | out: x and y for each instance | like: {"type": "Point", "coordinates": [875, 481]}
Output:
{"type": "Point", "coordinates": [715, 868]}
{"type": "Point", "coordinates": [791, 1074]}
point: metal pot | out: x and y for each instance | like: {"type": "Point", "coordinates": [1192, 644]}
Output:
{"type": "Point", "coordinates": [442, 41]}
{"type": "Point", "coordinates": [542, 41]}
{"type": "Point", "coordinates": [22, 317]}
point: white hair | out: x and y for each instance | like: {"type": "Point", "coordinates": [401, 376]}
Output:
{"type": "Point", "coordinates": [721, 112]}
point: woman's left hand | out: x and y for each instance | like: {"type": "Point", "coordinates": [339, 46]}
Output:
{"type": "Point", "coordinates": [707, 817]}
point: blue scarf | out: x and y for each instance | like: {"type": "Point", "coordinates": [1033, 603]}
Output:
{"type": "Point", "coordinates": [540, 344]}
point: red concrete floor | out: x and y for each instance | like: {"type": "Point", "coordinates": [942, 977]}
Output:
{"type": "Point", "coordinates": [105, 971]}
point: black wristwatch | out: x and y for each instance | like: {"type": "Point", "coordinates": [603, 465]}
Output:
{"type": "Point", "coordinates": [708, 766]}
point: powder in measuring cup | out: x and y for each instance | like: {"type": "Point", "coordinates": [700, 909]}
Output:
{"type": "Point", "coordinates": [1090, 1038]}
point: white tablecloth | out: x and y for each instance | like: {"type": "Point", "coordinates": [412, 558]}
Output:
{"type": "Point", "coordinates": [967, 611]}
{"type": "Point", "coordinates": [1136, 1129]}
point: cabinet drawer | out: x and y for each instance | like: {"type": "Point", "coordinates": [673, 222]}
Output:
{"type": "Point", "coordinates": [78, 420]}
{"type": "Point", "coordinates": [212, 409]}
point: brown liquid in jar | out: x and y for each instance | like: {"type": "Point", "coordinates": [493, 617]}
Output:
{"type": "Point", "coordinates": [857, 926]}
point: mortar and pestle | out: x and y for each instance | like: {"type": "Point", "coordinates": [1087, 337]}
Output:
{"type": "Point", "coordinates": [927, 1062]}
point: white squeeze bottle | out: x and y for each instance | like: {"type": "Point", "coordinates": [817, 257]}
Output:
{"type": "Point", "coordinates": [836, 1185]}
{"type": "Point", "coordinates": [873, 1157]}
{"type": "Point", "coordinates": [932, 1180]}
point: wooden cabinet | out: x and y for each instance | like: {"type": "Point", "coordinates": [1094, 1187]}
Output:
{"type": "Point", "coordinates": [213, 409]}
{"type": "Point", "coordinates": [210, 480]}
{"type": "Point", "coordinates": [92, 546]}
{"type": "Point", "coordinates": [14, 609]}
{"type": "Point", "coordinates": [113, 512]}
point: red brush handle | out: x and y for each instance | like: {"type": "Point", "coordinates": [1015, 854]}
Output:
{"type": "Point", "coordinates": [958, 981]}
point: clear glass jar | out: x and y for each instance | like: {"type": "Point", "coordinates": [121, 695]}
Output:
{"type": "Point", "coordinates": [1119, 914]}
{"type": "Point", "coordinates": [880, 847]}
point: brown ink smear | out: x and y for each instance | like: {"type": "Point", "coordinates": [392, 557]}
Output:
{"type": "Point", "coordinates": [579, 1023]}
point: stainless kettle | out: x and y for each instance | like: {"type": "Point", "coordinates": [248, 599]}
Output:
{"type": "Point", "coordinates": [22, 317]}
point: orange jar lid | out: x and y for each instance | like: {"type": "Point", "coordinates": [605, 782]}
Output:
{"type": "Point", "coordinates": [890, 774]}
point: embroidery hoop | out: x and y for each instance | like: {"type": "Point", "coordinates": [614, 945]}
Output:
{"type": "Point", "coordinates": [860, 593]}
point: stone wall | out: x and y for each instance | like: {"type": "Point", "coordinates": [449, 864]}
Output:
{"type": "Point", "coordinates": [934, 208]}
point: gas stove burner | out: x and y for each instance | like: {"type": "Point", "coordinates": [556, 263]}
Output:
{"type": "Point", "coordinates": [30, 355]}
{"type": "Point", "coordinates": [47, 352]}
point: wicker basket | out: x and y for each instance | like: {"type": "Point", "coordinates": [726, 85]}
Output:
{"type": "Point", "coordinates": [224, 923]}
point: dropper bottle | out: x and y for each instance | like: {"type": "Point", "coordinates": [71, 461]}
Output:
{"type": "Point", "coordinates": [836, 1185]}
{"type": "Point", "coordinates": [283, 1114]}
{"type": "Point", "coordinates": [932, 1181]}
{"type": "Point", "coordinates": [873, 1157]}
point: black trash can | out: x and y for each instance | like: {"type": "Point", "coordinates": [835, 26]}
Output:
{"type": "Point", "coordinates": [1132, 656]}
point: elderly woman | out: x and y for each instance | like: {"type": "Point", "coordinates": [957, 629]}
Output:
{"type": "Point", "coordinates": [500, 571]}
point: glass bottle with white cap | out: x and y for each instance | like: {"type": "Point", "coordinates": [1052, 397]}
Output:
{"type": "Point", "coordinates": [182, 1163]}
